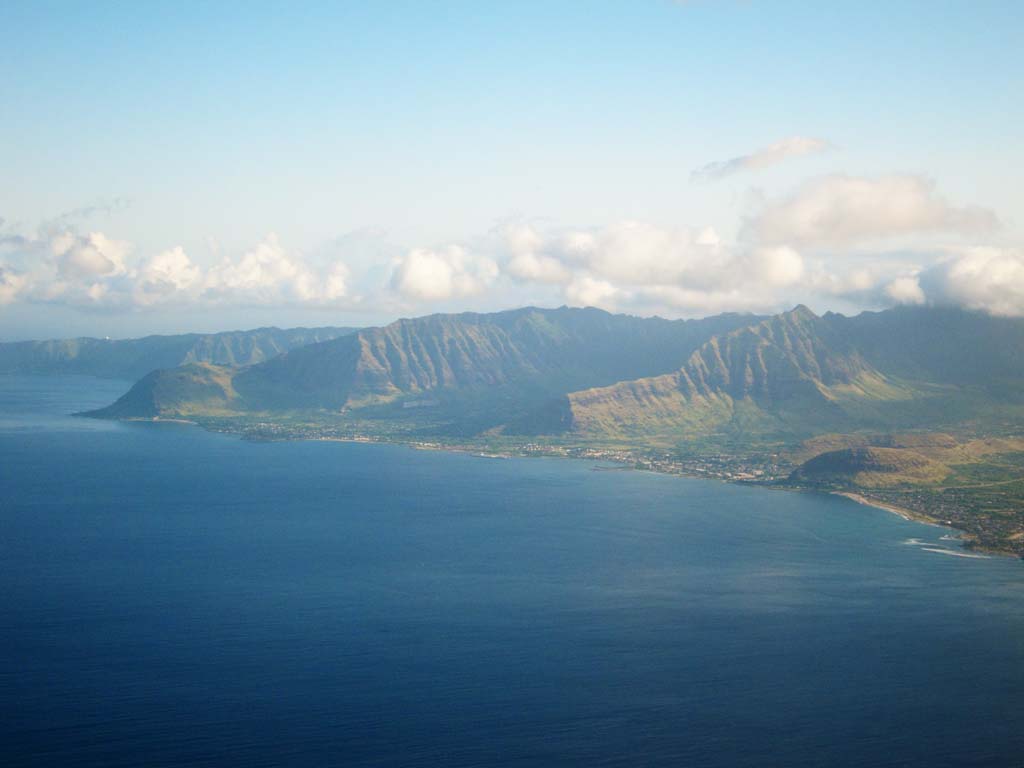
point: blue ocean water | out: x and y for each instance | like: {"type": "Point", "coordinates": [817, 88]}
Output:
{"type": "Point", "coordinates": [175, 597]}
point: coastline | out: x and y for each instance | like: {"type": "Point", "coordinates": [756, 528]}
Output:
{"type": "Point", "coordinates": [631, 462]}
{"type": "Point", "coordinates": [906, 514]}
{"type": "Point", "coordinates": [967, 542]}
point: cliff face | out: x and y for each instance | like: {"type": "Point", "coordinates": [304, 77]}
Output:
{"type": "Point", "coordinates": [790, 360]}
{"type": "Point", "coordinates": [521, 359]}
{"type": "Point", "coordinates": [541, 351]}
{"type": "Point", "coordinates": [603, 376]}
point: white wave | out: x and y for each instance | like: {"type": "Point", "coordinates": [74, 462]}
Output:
{"type": "Point", "coordinates": [954, 553]}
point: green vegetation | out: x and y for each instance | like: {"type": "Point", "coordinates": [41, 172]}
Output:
{"type": "Point", "coordinates": [915, 408]}
{"type": "Point", "coordinates": [870, 467]}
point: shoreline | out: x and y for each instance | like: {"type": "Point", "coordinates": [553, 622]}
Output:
{"type": "Point", "coordinates": [966, 542]}
{"type": "Point", "coordinates": [906, 514]}
{"type": "Point", "coordinates": [623, 464]}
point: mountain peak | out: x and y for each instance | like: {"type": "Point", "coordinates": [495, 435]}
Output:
{"type": "Point", "coordinates": [801, 311]}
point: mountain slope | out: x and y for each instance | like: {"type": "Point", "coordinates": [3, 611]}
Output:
{"type": "Point", "coordinates": [554, 350]}
{"type": "Point", "coordinates": [869, 467]}
{"type": "Point", "coordinates": [599, 377]}
{"type": "Point", "coordinates": [937, 344]}
{"type": "Point", "coordinates": [132, 358]}
{"type": "Point", "coordinates": [788, 369]}
{"type": "Point", "coordinates": [480, 370]}
{"type": "Point", "coordinates": [172, 392]}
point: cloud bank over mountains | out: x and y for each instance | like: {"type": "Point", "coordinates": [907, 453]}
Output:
{"type": "Point", "coordinates": [93, 270]}
{"type": "Point", "coordinates": [858, 241]}
{"type": "Point", "coordinates": [844, 210]}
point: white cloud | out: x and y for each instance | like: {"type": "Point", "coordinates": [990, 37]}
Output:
{"type": "Point", "coordinates": [425, 274]}
{"type": "Point", "coordinates": [640, 264]}
{"type": "Point", "coordinates": [627, 253]}
{"type": "Point", "coordinates": [638, 253]}
{"type": "Point", "coordinates": [93, 271]}
{"type": "Point", "coordinates": [776, 267]}
{"type": "Point", "coordinates": [336, 286]}
{"type": "Point", "coordinates": [264, 274]}
{"type": "Point", "coordinates": [816, 246]}
{"type": "Point", "coordinates": [675, 299]}
{"type": "Point", "coordinates": [269, 274]}
{"type": "Point", "coordinates": [844, 210]}
{"type": "Point", "coordinates": [793, 146]}
{"type": "Point", "coordinates": [526, 260]}
{"type": "Point", "coordinates": [167, 276]}
{"type": "Point", "coordinates": [628, 264]}
{"type": "Point", "coordinates": [905, 290]}
{"type": "Point", "coordinates": [11, 285]}
{"type": "Point", "coordinates": [87, 257]}
{"type": "Point", "coordinates": [990, 279]}
{"type": "Point", "coordinates": [587, 291]}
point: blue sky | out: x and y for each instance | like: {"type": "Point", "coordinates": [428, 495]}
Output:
{"type": "Point", "coordinates": [483, 155]}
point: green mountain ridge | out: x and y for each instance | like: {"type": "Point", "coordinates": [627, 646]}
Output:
{"type": "Point", "coordinates": [770, 377]}
{"type": "Point", "coordinates": [593, 376]}
{"type": "Point", "coordinates": [480, 371]}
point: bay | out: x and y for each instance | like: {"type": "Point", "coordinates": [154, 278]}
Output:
{"type": "Point", "coordinates": [176, 597]}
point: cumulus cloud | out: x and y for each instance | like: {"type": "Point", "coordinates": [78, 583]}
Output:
{"type": "Point", "coordinates": [793, 146]}
{"type": "Point", "coordinates": [526, 260]}
{"type": "Point", "coordinates": [271, 275]}
{"type": "Point", "coordinates": [825, 244]}
{"type": "Point", "coordinates": [844, 210]}
{"type": "Point", "coordinates": [776, 267]}
{"type": "Point", "coordinates": [626, 253]}
{"type": "Point", "coordinates": [589, 291]}
{"type": "Point", "coordinates": [425, 274]}
{"type": "Point", "coordinates": [638, 266]}
{"type": "Point", "coordinates": [905, 290]}
{"type": "Point", "coordinates": [990, 279]}
{"type": "Point", "coordinates": [88, 257]}
{"type": "Point", "coordinates": [94, 270]}
{"type": "Point", "coordinates": [638, 253]}
{"type": "Point", "coordinates": [11, 285]}
{"type": "Point", "coordinates": [167, 276]}
{"type": "Point", "coordinates": [265, 274]}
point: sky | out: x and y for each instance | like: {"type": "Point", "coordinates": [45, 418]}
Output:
{"type": "Point", "coordinates": [175, 167]}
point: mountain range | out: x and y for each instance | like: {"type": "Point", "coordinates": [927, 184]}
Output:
{"type": "Point", "coordinates": [916, 408]}
{"type": "Point", "coordinates": [797, 374]}
{"type": "Point", "coordinates": [597, 376]}
{"type": "Point", "coordinates": [134, 358]}
{"type": "Point", "coordinates": [469, 373]}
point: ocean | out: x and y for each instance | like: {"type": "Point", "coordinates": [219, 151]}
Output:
{"type": "Point", "coordinates": [176, 597]}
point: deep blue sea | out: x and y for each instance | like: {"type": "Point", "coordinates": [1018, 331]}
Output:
{"type": "Point", "coordinates": [174, 597]}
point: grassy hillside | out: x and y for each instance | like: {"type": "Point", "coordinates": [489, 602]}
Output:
{"type": "Point", "coordinates": [870, 467]}
{"type": "Point", "coordinates": [182, 392]}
